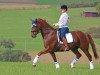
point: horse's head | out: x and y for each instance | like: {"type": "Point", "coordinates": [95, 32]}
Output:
{"type": "Point", "coordinates": [35, 28]}
{"type": "Point", "coordinates": [37, 25]}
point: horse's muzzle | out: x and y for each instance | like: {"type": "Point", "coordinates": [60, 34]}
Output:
{"type": "Point", "coordinates": [33, 36]}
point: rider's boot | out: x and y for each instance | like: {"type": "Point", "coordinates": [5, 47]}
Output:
{"type": "Point", "coordinates": [65, 44]}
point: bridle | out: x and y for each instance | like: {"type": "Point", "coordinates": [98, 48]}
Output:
{"type": "Point", "coordinates": [36, 30]}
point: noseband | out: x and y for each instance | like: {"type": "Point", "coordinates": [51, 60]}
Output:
{"type": "Point", "coordinates": [34, 31]}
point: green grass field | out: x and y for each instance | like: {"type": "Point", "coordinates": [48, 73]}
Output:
{"type": "Point", "coordinates": [55, 2]}
{"type": "Point", "coordinates": [16, 25]}
{"type": "Point", "coordinates": [45, 69]}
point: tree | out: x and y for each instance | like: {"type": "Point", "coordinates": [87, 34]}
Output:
{"type": "Point", "coordinates": [98, 8]}
{"type": "Point", "coordinates": [8, 44]}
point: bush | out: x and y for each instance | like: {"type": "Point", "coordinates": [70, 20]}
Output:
{"type": "Point", "coordinates": [7, 44]}
{"type": "Point", "coordinates": [14, 56]}
{"type": "Point", "coordinates": [95, 32]}
{"type": "Point", "coordinates": [98, 8]}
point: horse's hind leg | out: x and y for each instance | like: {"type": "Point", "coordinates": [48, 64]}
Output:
{"type": "Point", "coordinates": [89, 57]}
{"type": "Point", "coordinates": [78, 55]}
{"type": "Point", "coordinates": [85, 50]}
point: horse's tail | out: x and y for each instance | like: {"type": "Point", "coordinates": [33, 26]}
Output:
{"type": "Point", "coordinates": [93, 46]}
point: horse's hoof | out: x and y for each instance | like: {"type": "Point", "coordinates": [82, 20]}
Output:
{"type": "Point", "coordinates": [34, 65]}
{"type": "Point", "coordinates": [57, 67]}
{"type": "Point", "coordinates": [72, 66]}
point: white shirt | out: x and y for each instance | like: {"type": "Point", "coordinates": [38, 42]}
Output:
{"type": "Point", "coordinates": [63, 20]}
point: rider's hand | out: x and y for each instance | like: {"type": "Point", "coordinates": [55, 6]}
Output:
{"type": "Point", "coordinates": [56, 25]}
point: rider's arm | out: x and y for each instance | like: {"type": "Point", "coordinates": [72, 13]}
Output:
{"type": "Point", "coordinates": [63, 20]}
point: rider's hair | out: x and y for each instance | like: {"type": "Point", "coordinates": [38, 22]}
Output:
{"type": "Point", "coordinates": [64, 7]}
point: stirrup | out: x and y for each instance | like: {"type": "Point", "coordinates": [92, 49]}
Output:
{"type": "Point", "coordinates": [66, 49]}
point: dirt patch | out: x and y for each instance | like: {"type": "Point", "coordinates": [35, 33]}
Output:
{"type": "Point", "coordinates": [65, 57]}
{"type": "Point", "coordinates": [15, 6]}
{"type": "Point", "coordinates": [97, 46]}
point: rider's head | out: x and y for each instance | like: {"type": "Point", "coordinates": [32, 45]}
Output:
{"type": "Point", "coordinates": [64, 8]}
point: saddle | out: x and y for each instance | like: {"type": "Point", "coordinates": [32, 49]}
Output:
{"type": "Point", "coordinates": [68, 36]}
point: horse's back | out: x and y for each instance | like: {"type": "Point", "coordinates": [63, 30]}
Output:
{"type": "Point", "coordinates": [82, 38]}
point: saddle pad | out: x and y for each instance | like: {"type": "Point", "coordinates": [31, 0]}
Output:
{"type": "Point", "coordinates": [69, 37]}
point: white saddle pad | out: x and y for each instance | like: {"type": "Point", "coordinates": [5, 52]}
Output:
{"type": "Point", "coordinates": [69, 38]}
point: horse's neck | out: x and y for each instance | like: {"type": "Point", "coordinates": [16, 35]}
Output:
{"type": "Point", "coordinates": [46, 30]}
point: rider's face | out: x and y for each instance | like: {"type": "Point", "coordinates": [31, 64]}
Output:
{"type": "Point", "coordinates": [63, 10]}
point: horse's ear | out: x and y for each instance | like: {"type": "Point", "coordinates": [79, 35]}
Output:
{"type": "Point", "coordinates": [36, 20]}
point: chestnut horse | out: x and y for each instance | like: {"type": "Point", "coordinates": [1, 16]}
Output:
{"type": "Point", "coordinates": [49, 34]}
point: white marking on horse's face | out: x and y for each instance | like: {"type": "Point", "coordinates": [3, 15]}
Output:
{"type": "Point", "coordinates": [33, 25]}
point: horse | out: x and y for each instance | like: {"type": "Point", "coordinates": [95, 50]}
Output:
{"type": "Point", "coordinates": [80, 40]}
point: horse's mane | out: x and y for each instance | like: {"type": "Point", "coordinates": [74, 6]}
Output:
{"type": "Point", "coordinates": [45, 23]}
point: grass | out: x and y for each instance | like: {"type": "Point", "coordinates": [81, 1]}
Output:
{"type": "Point", "coordinates": [16, 25]}
{"type": "Point", "coordinates": [97, 41]}
{"type": "Point", "coordinates": [25, 68]}
{"type": "Point", "coordinates": [58, 2]}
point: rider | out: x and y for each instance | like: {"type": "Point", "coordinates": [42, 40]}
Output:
{"type": "Point", "coordinates": [63, 25]}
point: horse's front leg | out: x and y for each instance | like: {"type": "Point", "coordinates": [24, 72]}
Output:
{"type": "Point", "coordinates": [39, 54]}
{"type": "Point", "coordinates": [55, 60]}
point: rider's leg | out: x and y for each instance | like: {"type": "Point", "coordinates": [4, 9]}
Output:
{"type": "Point", "coordinates": [63, 32]}
{"type": "Point", "coordinates": [65, 43]}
